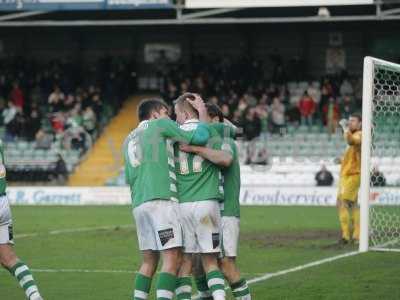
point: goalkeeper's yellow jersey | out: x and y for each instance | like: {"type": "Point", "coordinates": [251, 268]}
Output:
{"type": "Point", "coordinates": [351, 161]}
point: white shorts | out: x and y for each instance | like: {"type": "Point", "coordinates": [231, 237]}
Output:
{"type": "Point", "coordinates": [201, 222]}
{"type": "Point", "coordinates": [230, 227]}
{"type": "Point", "coordinates": [158, 225]}
{"type": "Point", "coordinates": [6, 228]}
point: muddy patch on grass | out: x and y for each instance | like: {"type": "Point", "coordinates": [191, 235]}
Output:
{"type": "Point", "coordinates": [318, 239]}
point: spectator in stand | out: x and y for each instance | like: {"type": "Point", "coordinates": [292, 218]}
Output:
{"type": "Point", "coordinates": [346, 89]}
{"type": "Point", "coordinates": [237, 118]}
{"type": "Point", "coordinates": [262, 113]}
{"type": "Point", "coordinates": [242, 105]}
{"type": "Point", "coordinates": [58, 122]}
{"type": "Point", "coordinates": [307, 109]}
{"type": "Point", "coordinates": [60, 170]}
{"type": "Point", "coordinates": [97, 105]}
{"type": "Point", "coordinates": [278, 118]}
{"type": "Point", "coordinates": [89, 120]}
{"type": "Point", "coordinates": [226, 111]}
{"type": "Point", "coordinates": [171, 93]}
{"type": "Point", "coordinates": [43, 140]}
{"type": "Point", "coordinates": [324, 99]}
{"type": "Point", "coordinates": [347, 107]}
{"type": "Point", "coordinates": [377, 177]}
{"type": "Point", "coordinates": [324, 177]}
{"type": "Point", "coordinates": [56, 99]}
{"type": "Point", "coordinates": [16, 96]}
{"type": "Point", "coordinates": [33, 122]}
{"type": "Point", "coordinates": [251, 125]}
{"type": "Point", "coordinates": [314, 92]}
{"type": "Point", "coordinates": [331, 115]}
{"type": "Point", "coordinates": [9, 114]}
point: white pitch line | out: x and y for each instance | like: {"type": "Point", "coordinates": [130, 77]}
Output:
{"type": "Point", "coordinates": [267, 276]}
{"type": "Point", "coordinates": [72, 230]}
{"type": "Point", "coordinates": [301, 267]}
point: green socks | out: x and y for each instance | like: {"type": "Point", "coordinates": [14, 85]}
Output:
{"type": "Point", "coordinates": [216, 284]}
{"type": "Point", "coordinates": [240, 290]}
{"type": "Point", "coordinates": [184, 288]}
{"type": "Point", "coordinates": [202, 287]}
{"type": "Point", "coordinates": [142, 287]}
{"type": "Point", "coordinates": [166, 286]}
{"type": "Point", "coordinates": [24, 276]}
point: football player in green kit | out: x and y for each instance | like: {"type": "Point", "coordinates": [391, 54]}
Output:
{"type": "Point", "coordinates": [200, 193]}
{"type": "Point", "coordinates": [231, 207]}
{"type": "Point", "coordinates": [150, 172]}
{"type": "Point", "coordinates": [8, 258]}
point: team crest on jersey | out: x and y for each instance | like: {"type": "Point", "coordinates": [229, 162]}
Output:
{"type": "Point", "coordinates": [165, 235]}
{"type": "Point", "coordinates": [2, 171]}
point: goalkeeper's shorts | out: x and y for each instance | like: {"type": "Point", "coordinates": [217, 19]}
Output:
{"type": "Point", "coordinates": [348, 188]}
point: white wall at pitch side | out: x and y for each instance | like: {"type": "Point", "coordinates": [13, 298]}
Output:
{"type": "Point", "coordinates": [250, 195]}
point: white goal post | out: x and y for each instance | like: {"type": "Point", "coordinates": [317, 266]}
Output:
{"type": "Point", "coordinates": [380, 217]}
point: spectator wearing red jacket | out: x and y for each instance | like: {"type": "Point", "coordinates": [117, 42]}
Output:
{"type": "Point", "coordinates": [307, 108]}
{"type": "Point", "coordinates": [16, 96]}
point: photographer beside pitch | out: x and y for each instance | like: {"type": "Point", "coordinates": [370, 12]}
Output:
{"type": "Point", "coordinates": [230, 213]}
{"type": "Point", "coordinates": [349, 184]}
{"type": "Point", "coordinates": [150, 172]}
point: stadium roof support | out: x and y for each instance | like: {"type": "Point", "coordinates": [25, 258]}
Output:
{"type": "Point", "coordinates": [379, 11]}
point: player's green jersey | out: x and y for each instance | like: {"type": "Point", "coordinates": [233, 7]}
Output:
{"type": "Point", "coordinates": [231, 174]}
{"type": "Point", "coordinates": [3, 184]}
{"type": "Point", "coordinates": [198, 179]}
{"type": "Point", "coordinates": [149, 158]}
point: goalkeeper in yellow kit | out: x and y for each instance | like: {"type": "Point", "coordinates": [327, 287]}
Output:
{"type": "Point", "coordinates": [349, 184]}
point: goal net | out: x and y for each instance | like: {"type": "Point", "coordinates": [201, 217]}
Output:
{"type": "Point", "coordinates": [380, 186]}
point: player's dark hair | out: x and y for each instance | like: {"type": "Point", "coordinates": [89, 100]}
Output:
{"type": "Point", "coordinates": [213, 111]}
{"type": "Point", "coordinates": [183, 103]}
{"type": "Point", "coordinates": [147, 106]}
{"type": "Point", "coordinates": [357, 116]}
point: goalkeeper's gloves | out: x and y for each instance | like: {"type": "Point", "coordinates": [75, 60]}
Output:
{"type": "Point", "coordinates": [344, 124]}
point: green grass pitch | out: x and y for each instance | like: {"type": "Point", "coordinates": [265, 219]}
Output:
{"type": "Point", "coordinates": [100, 264]}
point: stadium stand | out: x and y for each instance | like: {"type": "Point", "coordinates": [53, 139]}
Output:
{"type": "Point", "coordinates": [52, 112]}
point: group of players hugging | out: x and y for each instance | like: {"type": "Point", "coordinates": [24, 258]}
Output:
{"type": "Point", "coordinates": [185, 183]}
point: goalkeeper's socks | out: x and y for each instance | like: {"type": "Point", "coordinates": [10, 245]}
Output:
{"type": "Point", "coordinates": [216, 284]}
{"type": "Point", "coordinates": [184, 288]}
{"type": "Point", "coordinates": [202, 287]}
{"type": "Point", "coordinates": [142, 287]}
{"type": "Point", "coordinates": [240, 290]}
{"type": "Point", "coordinates": [344, 219]}
{"type": "Point", "coordinates": [166, 284]}
{"type": "Point", "coordinates": [356, 223]}
{"type": "Point", "coordinates": [24, 276]}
